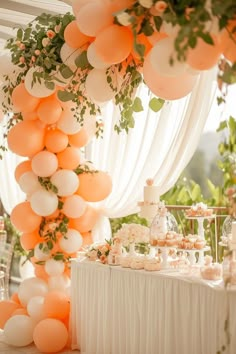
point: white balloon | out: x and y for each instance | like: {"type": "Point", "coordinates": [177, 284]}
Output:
{"type": "Point", "coordinates": [44, 203]}
{"type": "Point", "coordinates": [31, 287]}
{"type": "Point", "coordinates": [160, 59]}
{"type": "Point", "coordinates": [37, 89]}
{"type": "Point", "coordinates": [66, 181]}
{"type": "Point", "coordinates": [35, 308]}
{"type": "Point", "coordinates": [97, 87]}
{"type": "Point", "coordinates": [74, 206]}
{"type": "Point", "coordinates": [68, 56]}
{"type": "Point", "coordinates": [18, 330]}
{"type": "Point", "coordinates": [94, 59]}
{"type": "Point", "coordinates": [29, 183]}
{"type": "Point", "coordinates": [7, 68]}
{"type": "Point", "coordinates": [61, 283]}
{"type": "Point", "coordinates": [54, 268]}
{"type": "Point", "coordinates": [68, 123]}
{"type": "Point", "coordinates": [71, 242]}
{"type": "Point", "coordinates": [42, 253]}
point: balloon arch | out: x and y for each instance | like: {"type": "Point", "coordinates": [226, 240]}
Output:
{"type": "Point", "coordinates": [59, 72]}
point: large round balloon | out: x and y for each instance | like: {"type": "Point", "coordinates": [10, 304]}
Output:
{"type": "Point", "coordinates": [54, 267]}
{"type": "Point", "coordinates": [166, 87]}
{"type": "Point", "coordinates": [31, 287]}
{"type": "Point", "coordinates": [29, 240]}
{"type": "Point", "coordinates": [55, 140]}
{"type": "Point", "coordinates": [71, 242]}
{"type": "Point", "coordinates": [18, 331]}
{"type": "Point", "coordinates": [21, 168]}
{"type": "Point", "coordinates": [93, 17]}
{"type": "Point", "coordinates": [85, 222]}
{"type": "Point", "coordinates": [29, 183]}
{"type": "Point", "coordinates": [104, 44]}
{"type": "Point", "coordinates": [50, 335]}
{"type": "Point", "coordinates": [74, 206]}
{"type": "Point", "coordinates": [69, 158]}
{"type": "Point", "coordinates": [97, 87]}
{"type": "Point", "coordinates": [43, 202]}
{"type": "Point", "coordinates": [66, 182]}
{"type": "Point", "coordinates": [35, 308]}
{"type": "Point", "coordinates": [24, 218]}
{"type": "Point", "coordinates": [74, 37]}
{"type": "Point", "coordinates": [35, 87]}
{"type": "Point", "coordinates": [22, 100]}
{"type": "Point", "coordinates": [94, 187]}
{"type": "Point", "coordinates": [41, 252]}
{"type": "Point", "coordinates": [94, 59]}
{"type": "Point", "coordinates": [44, 163]}
{"type": "Point", "coordinates": [7, 308]}
{"type": "Point", "coordinates": [26, 138]}
{"type": "Point", "coordinates": [56, 305]}
{"type": "Point", "coordinates": [49, 110]}
{"type": "Point", "coordinates": [68, 55]}
{"type": "Point", "coordinates": [68, 123]}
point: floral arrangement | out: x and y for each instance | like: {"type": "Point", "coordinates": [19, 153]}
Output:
{"type": "Point", "coordinates": [99, 252]}
{"type": "Point", "coordinates": [132, 233]}
{"type": "Point", "coordinates": [160, 43]}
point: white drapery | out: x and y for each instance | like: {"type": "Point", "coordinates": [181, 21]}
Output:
{"type": "Point", "coordinates": [159, 147]}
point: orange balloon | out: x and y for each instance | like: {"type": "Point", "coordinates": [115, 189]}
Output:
{"type": "Point", "coordinates": [49, 110]}
{"type": "Point", "coordinates": [32, 115]}
{"type": "Point", "coordinates": [228, 38]}
{"type": "Point", "coordinates": [55, 140]}
{"type": "Point", "coordinates": [94, 187]}
{"type": "Point", "coordinates": [142, 39]}
{"type": "Point", "coordinates": [44, 163]}
{"type": "Point", "coordinates": [50, 335]}
{"type": "Point", "coordinates": [56, 305]}
{"type": "Point", "coordinates": [29, 240]}
{"type": "Point", "coordinates": [69, 158]}
{"type": "Point", "coordinates": [87, 239]}
{"type": "Point", "coordinates": [204, 56]}
{"type": "Point", "coordinates": [22, 100]}
{"type": "Point", "coordinates": [85, 222]}
{"type": "Point", "coordinates": [21, 168]}
{"type": "Point", "coordinates": [74, 37]}
{"type": "Point", "coordinates": [26, 138]}
{"type": "Point", "coordinates": [21, 311]}
{"type": "Point", "coordinates": [15, 298]}
{"type": "Point", "coordinates": [40, 272]}
{"type": "Point", "coordinates": [7, 308]}
{"type": "Point", "coordinates": [79, 139]}
{"type": "Point", "coordinates": [104, 44]}
{"type": "Point", "coordinates": [156, 37]}
{"type": "Point", "coordinates": [24, 219]}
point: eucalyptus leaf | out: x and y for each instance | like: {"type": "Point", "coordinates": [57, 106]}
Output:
{"type": "Point", "coordinates": [156, 104]}
{"type": "Point", "coordinates": [222, 126]}
{"type": "Point", "coordinates": [137, 105]}
{"type": "Point", "coordinates": [66, 72]}
{"type": "Point", "coordinates": [82, 61]}
{"type": "Point", "coordinates": [65, 96]}
{"type": "Point", "coordinates": [50, 85]}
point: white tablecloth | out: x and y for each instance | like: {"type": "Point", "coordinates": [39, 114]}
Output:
{"type": "Point", "coordinates": [123, 311]}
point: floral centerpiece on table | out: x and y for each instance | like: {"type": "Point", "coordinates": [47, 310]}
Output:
{"type": "Point", "coordinates": [133, 233]}
{"type": "Point", "coordinates": [99, 251]}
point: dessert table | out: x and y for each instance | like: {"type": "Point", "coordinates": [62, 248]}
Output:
{"type": "Point", "coordinates": [122, 311]}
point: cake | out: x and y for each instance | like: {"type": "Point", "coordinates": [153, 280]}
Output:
{"type": "Point", "coordinates": [151, 201]}
{"type": "Point", "coordinates": [152, 264]}
{"type": "Point", "coordinates": [125, 261]}
{"type": "Point", "coordinates": [137, 262]}
{"type": "Point", "coordinates": [199, 210]}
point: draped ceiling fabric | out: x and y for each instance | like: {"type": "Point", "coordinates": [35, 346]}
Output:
{"type": "Point", "coordinates": [159, 147]}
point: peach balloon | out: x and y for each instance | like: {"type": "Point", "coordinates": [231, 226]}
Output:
{"type": "Point", "coordinates": [56, 305]}
{"type": "Point", "coordinates": [74, 206]}
{"type": "Point", "coordinates": [167, 87]}
{"type": "Point", "coordinates": [24, 219]}
{"type": "Point", "coordinates": [228, 38]}
{"type": "Point", "coordinates": [44, 164]}
{"type": "Point", "coordinates": [94, 187]}
{"type": "Point", "coordinates": [69, 158]}
{"type": "Point", "coordinates": [40, 272]}
{"type": "Point", "coordinates": [22, 100]}
{"type": "Point", "coordinates": [156, 37]}
{"type": "Point", "coordinates": [118, 5]}
{"type": "Point", "coordinates": [15, 298]}
{"type": "Point", "coordinates": [7, 308]}
{"type": "Point", "coordinates": [29, 240]}
{"type": "Point", "coordinates": [93, 17]}
{"type": "Point", "coordinates": [32, 115]}
{"type": "Point", "coordinates": [87, 239]}
{"type": "Point", "coordinates": [74, 37]}
{"type": "Point", "coordinates": [50, 335]}
{"type": "Point", "coordinates": [142, 39]}
{"type": "Point", "coordinates": [21, 168]}
{"type": "Point", "coordinates": [55, 140]}
{"type": "Point", "coordinates": [79, 139]}
{"type": "Point", "coordinates": [86, 222]}
{"type": "Point", "coordinates": [104, 44]}
{"type": "Point", "coordinates": [49, 110]}
{"type": "Point", "coordinates": [204, 56]}
{"type": "Point", "coordinates": [26, 138]}
{"type": "Point", "coordinates": [21, 311]}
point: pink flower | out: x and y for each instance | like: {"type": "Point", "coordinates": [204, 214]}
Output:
{"type": "Point", "coordinates": [160, 6]}
{"type": "Point", "coordinates": [22, 46]}
{"type": "Point", "coordinates": [188, 11]}
{"type": "Point", "coordinates": [22, 60]}
{"type": "Point", "coordinates": [37, 52]}
{"type": "Point", "coordinates": [45, 42]}
{"type": "Point", "coordinates": [51, 34]}
{"type": "Point", "coordinates": [33, 59]}
{"type": "Point", "coordinates": [103, 259]}
{"type": "Point", "coordinates": [57, 28]}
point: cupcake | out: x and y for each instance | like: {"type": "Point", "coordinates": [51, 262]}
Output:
{"type": "Point", "coordinates": [199, 244]}
{"type": "Point", "coordinates": [152, 264]}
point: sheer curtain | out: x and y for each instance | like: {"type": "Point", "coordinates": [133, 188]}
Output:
{"type": "Point", "coordinates": [159, 147]}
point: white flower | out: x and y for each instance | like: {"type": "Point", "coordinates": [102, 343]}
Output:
{"type": "Point", "coordinates": [45, 42]}
{"type": "Point", "coordinates": [123, 18]}
{"type": "Point", "coordinates": [146, 3]}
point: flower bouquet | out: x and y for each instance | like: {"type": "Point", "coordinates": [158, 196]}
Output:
{"type": "Point", "coordinates": [99, 251]}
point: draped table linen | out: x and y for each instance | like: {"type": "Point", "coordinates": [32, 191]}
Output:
{"type": "Point", "coordinates": [123, 311]}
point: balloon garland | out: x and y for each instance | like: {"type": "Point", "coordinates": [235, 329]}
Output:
{"type": "Point", "coordinates": [60, 71]}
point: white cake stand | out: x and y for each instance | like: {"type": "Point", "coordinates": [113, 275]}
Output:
{"type": "Point", "coordinates": [192, 255]}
